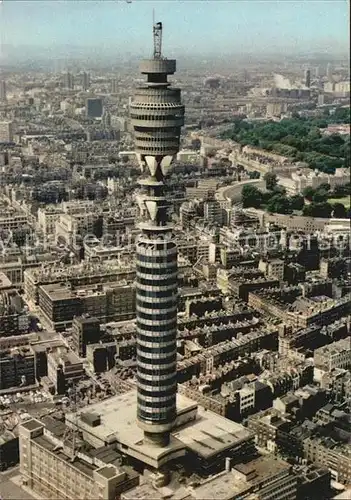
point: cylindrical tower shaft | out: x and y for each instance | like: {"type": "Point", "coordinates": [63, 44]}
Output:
{"type": "Point", "coordinates": [157, 116]}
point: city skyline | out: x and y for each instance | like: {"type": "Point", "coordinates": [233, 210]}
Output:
{"type": "Point", "coordinates": [197, 27]}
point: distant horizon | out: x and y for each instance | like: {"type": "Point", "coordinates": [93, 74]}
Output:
{"type": "Point", "coordinates": [69, 52]}
{"type": "Point", "coordinates": [199, 27]}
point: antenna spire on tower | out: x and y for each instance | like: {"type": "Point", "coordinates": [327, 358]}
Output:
{"type": "Point", "coordinates": [157, 30]}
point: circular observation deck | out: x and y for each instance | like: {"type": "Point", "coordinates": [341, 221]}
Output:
{"type": "Point", "coordinates": [158, 66]}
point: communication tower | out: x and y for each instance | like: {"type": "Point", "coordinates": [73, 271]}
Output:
{"type": "Point", "coordinates": [157, 116]}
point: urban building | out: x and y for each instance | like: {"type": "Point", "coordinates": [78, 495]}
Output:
{"type": "Point", "coordinates": [313, 482]}
{"type": "Point", "coordinates": [17, 367]}
{"type": "Point", "coordinates": [199, 437]}
{"type": "Point", "coordinates": [52, 469]}
{"type": "Point", "coordinates": [9, 449]}
{"type": "Point", "coordinates": [307, 81]}
{"type": "Point", "coordinates": [14, 319]}
{"type": "Point", "coordinates": [6, 132]}
{"type": "Point", "coordinates": [85, 80]}
{"type": "Point", "coordinates": [60, 302]}
{"type": "Point", "coordinates": [332, 356]}
{"type": "Point", "coordinates": [94, 107]}
{"type": "Point", "coordinates": [298, 181]}
{"type": "Point", "coordinates": [326, 452]}
{"type": "Point", "coordinates": [213, 211]}
{"type": "Point", "coordinates": [3, 94]}
{"type": "Point", "coordinates": [78, 275]}
{"type": "Point", "coordinates": [114, 86]}
{"type": "Point", "coordinates": [263, 478]}
{"type": "Point", "coordinates": [86, 330]}
{"type": "Point", "coordinates": [68, 81]}
{"type": "Point", "coordinates": [64, 369]}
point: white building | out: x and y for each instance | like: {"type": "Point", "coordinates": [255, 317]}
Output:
{"type": "Point", "coordinates": [335, 355]}
{"type": "Point", "coordinates": [6, 132]}
{"type": "Point", "coordinates": [47, 218]}
{"type": "Point", "coordinates": [299, 180]}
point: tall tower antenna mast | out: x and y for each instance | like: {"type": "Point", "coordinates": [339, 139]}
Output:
{"type": "Point", "coordinates": [157, 29]}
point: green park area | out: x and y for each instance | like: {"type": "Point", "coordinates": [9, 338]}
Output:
{"type": "Point", "coordinates": [298, 138]}
{"type": "Point", "coordinates": [320, 202]}
{"type": "Point", "coordinates": [344, 201]}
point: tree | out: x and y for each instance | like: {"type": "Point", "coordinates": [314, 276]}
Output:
{"type": "Point", "coordinates": [307, 210]}
{"type": "Point", "coordinates": [324, 187]}
{"type": "Point", "coordinates": [254, 175]}
{"type": "Point", "coordinates": [320, 196]}
{"type": "Point", "coordinates": [340, 191]}
{"type": "Point", "coordinates": [278, 203]}
{"type": "Point", "coordinates": [251, 197]}
{"type": "Point", "coordinates": [297, 202]}
{"type": "Point", "coordinates": [298, 138]}
{"type": "Point", "coordinates": [308, 193]}
{"type": "Point", "coordinates": [323, 210]}
{"type": "Point", "coordinates": [341, 115]}
{"type": "Point", "coordinates": [339, 211]}
{"type": "Point", "coordinates": [271, 180]}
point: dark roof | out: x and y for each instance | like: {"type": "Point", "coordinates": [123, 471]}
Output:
{"type": "Point", "coordinates": [31, 425]}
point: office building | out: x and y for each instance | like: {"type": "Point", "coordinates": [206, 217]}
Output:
{"type": "Point", "coordinates": [342, 88]}
{"type": "Point", "coordinates": [94, 107]}
{"type": "Point", "coordinates": [264, 478]}
{"type": "Point", "coordinates": [321, 99]}
{"type": "Point", "coordinates": [50, 468]}
{"type": "Point", "coordinates": [9, 451]}
{"type": "Point", "coordinates": [113, 301]}
{"type": "Point", "coordinates": [329, 72]}
{"type": "Point", "coordinates": [329, 453]}
{"type": "Point", "coordinates": [114, 86]}
{"type": "Point", "coordinates": [6, 132]}
{"type": "Point", "coordinates": [276, 109]}
{"type": "Point", "coordinates": [2, 91]}
{"type": "Point", "coordinates": [68, 81]}
{"type": "Point", "coordinates": [64, 369]}
{"type": "Point", "coordinates": [86, 330]}
{"type": "Point", "coordinates": [198, 435]}
{"type": "Point", "coordinates": [335, 355]}
{"type": "Point", "coordinates": [85, 81]}
{"type": "Point", "coordinates": [79, 275]}
{"type": "Point", "coordinates": [308, 78]}
{"type": "Point", "coordinates": [213, 211]}
{"type": "Point", "coordinates": [157, 116]}
{"type": "Point", "coordinates": [106, 120]}
{"type": "Point", "coordinates": [17, 368]}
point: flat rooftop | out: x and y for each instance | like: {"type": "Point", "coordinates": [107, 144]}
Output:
{"type": "Point", "coordinates": [210, 434]}
{"type": "Point", "coordinates": [31, 425]}
{"type": "Point", "coordinates": [227, 484]}
{"type": "Point", "coordinates": [142, 492]}
{"type": "Point", "coordinates": [84, 467]}
{"type": "Point", "coordinates": [206, 435]}
{"type": "Point", "coordinates": [43, 345]}
{"type": "Point", "coordinates": [223, 486]}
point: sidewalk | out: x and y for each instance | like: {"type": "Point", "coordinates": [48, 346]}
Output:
{"type": "Point", "coordinates": [17, 480]}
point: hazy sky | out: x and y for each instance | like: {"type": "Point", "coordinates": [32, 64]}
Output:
{"type": "Point", "coordinates": [197, 26]}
